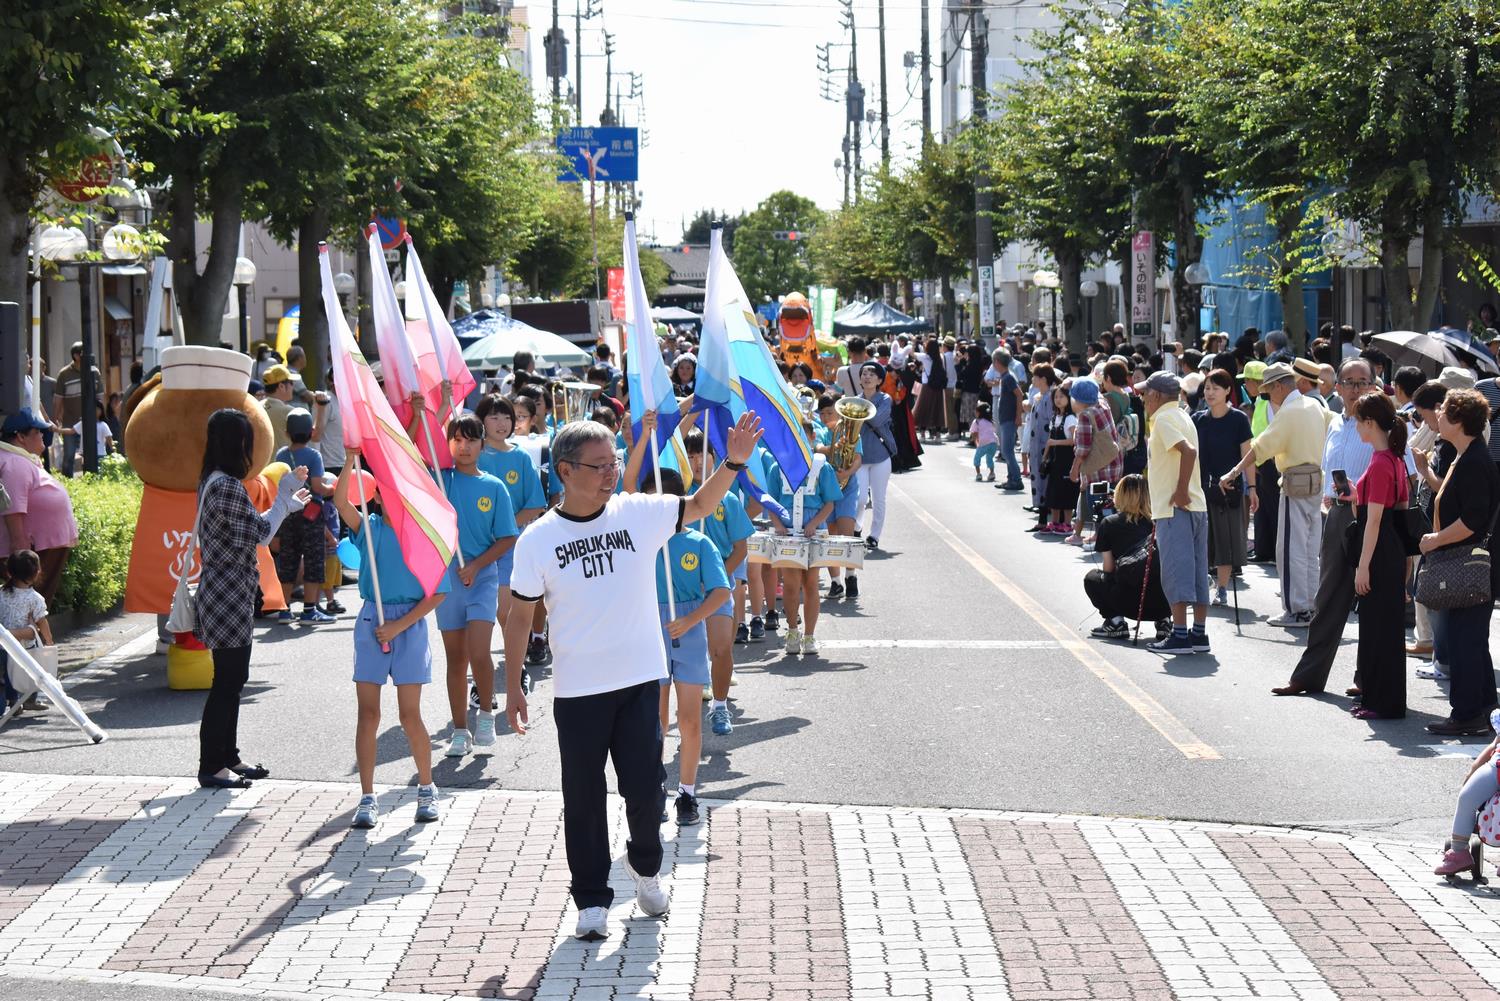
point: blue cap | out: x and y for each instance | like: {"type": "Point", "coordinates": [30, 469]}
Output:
{"type": "Point", "coordinates": [1085, 391]}
{"type": "Point", "coordinates": [21, 421]}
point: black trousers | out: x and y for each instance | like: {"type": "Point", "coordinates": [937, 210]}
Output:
{"type": "Point", "coordinates": [1471, 693]}
{"type": "Point", "coordinates": [623, 725]}
{"type": "Point", "coordinates": [218, 734]}
{"type": "Point", "coordinates": [1332, 605]}
{"type": "Point", "coordinates": [1268, 489]}
{"type": "Point", "coordinates": [1382, 627]}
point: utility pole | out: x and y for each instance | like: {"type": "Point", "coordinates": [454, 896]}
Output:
{"type": "Point", "coordinates": [556, 76]}
{"type": "Point", "coordinates": [578, 61]}
{"type": "Point", "coordinates": [926, 79]}
{"type": "Point", "coordinates": [984, 236]}
{"type": "Point", "coordinates": [607, 116]}
{"type": "Point", "coordinates": [885, 123]}
{"type": "Point", "coordinates": [856, 96]}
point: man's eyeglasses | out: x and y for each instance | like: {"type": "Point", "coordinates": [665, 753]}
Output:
{"type": "Point", "coordinates": [1356, 383]}
{"type": "Point", "coordinates": [603, 469]}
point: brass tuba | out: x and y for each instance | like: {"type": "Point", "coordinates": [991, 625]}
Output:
{"type": "Point", "coordinates": [572, 401]}
{"type": "Point", "coordinates": [853, 411]}
{"type": "Point", "coordinates": [807, 401]}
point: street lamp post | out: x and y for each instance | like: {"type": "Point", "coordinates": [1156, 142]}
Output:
{"type": "Point", "coordinates": [1088, 290]}
{"type": "Point", "coordinates": [68, 245]}
{"type": "Point", "coordinates": [244, 277]}
{"type": "Point", "coordinates": [1050, 281]}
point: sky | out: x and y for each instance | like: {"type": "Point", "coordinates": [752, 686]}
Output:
{"type": "Point", "coordinates": [730, 96]}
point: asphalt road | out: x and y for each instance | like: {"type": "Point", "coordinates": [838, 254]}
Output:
{"type": "Point", "coordinates": [963, 677]}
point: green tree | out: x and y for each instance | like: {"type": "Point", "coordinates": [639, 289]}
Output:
{"type": "Point", "coordinates": [350, 112]}
{"type": "Point", "coordinates": [64, 66]}
{"type": "Point", "coordinates": [1393, 106]}
{"type": "Point", "coordinates": [226, 70]}
{"type": "Point", "coordinates": [1057, 185]}
{"type": "Point", "coordinates": [478, 192]}
{"type": "Point", "coordinates": [699, 229]}
{"type": "Point", "coordinates": [557, 260]}
{"type": "Point", "coordinates": [771, 267]}
{"type": "Point", "coordinates": [1130, 66]}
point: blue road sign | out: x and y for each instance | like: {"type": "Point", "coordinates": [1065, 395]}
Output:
{"type": "Point", "coordinates": [609, 152]}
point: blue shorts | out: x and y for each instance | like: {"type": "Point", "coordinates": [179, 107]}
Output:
{"type": "Point", "coordinates": [687, 662]}
{"type": "Point", "coordinates": [475, 603]}
{"type": "Point", "coordinates": [504, 565]}
{"type": "Point", "coordinates": [1182, 545]}
{"type": "Point", "coordinates": [410, 659]}
{"type": "Point", "coordinates": [848, 505]}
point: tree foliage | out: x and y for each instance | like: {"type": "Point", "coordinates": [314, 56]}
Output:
{"type": "Point", "coordinates": [700, 228]}
{"type": "Point", "coordinates": [557, 260]}
{"type": "Point", "coordinates": [65, 66]}
{"type": "Point", "coordinates": [771, 267]}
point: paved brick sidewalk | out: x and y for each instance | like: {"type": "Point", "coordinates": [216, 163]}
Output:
{"type": "Point", "coordinates": [268, 892]}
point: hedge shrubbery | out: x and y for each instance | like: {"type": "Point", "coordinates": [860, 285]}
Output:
{"type": "Point", "coordinates": [105, 505]}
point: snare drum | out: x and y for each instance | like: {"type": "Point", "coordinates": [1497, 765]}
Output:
{"type": "Point", "coordinates": [791, 553]}
{"type": "Point", "coordinates": [839, 551]}
{"type": "Point", "coordinates": [759, 546]}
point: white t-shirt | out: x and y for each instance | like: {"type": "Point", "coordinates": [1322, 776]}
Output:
{"type": "Point", "coordinates": [23, 606]}
{"type": "Point", "coordinates": [598, 579]}
{"type": "Point", "coordinates": [331, 439]}
{"type": "Point", "coordinates": [101, 431]}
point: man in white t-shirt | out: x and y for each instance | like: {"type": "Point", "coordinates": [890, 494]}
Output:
{"type": "Point", "coordinates": [592, 560]}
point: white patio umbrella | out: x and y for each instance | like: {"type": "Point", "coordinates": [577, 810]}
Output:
{"type": "Point", "coordinates": [505, 336]}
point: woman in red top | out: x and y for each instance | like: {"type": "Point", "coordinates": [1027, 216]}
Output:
{"type": "Point", "coordinates": [1380, 575]}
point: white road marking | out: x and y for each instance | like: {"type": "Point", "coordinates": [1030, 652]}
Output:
{"type": "Point", "coordinates": [1133, 695]}
{"type": "Point", "coordinates": [1207, 928]}
{"type": "Point", "coordinates": [82, 920]}
{"type": "Point", "coordinates": [351, 927]}
{"type": "Point", "coordinates": [912, 917]}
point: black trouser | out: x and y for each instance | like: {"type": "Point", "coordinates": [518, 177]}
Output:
{"type": "Point", "coordinates": [623, 725]}
{"type": "Point", "coordinates": [1105, 595]}
{"type": "Point", "coordinates": [1472, 691]}
{"type": "Point", "coordinates": [1332, 605]}
{"type": "Point", "coordinates": [1268, 489]}
{"type": "Point", "coordinates": [218, 735]}
{"type": "Point", "coordinates": [1382, 632]}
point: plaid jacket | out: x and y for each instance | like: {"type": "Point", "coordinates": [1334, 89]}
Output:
{"type": "Point", "coordinates": [1096, 420]}
{"type": "Point", "coordinates": [230, 529]}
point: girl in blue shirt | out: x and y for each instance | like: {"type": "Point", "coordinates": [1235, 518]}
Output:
{"type": "Point", "coordinates": [810, 506]}
{"type": "Point", "coordinates": [486, 535]}
{"type": "Point", "coordinates": [699, 587]}
{"type": "Point", "coordinates": [846, 511]}
{"type": "Point", "coordinates": [514, 467]}
{"type": "Point", "coordinates": [397, 650]}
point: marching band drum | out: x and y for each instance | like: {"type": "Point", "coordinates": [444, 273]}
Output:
{"type": "Point", "coordinates": [787, 552]}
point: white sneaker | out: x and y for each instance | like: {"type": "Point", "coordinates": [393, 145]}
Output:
{"type": "Point", "coordinates": [1291, 620]}
{"type": "Point", "coordinates": [484, 729]}
{"type": "Point", "coordinates": [793, 642]}
{"type": "Point", "coordinates": [458, 744]}
{"type": "Point", "coordinates": [809, 645]}
{"type": "Point", "coordinates": [593, 924]}
{"type": "Point", "coordinates": [650, 896]}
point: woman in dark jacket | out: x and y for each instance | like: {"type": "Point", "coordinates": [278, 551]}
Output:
{"type": "Point", "coordinates": [1463, 514]}
{"type": "Point", "coordinates": [898, 385]}
{"type": "Point", "coordinates": [877, 445]}
{"type": "Point", "coordinates": [229, 530]}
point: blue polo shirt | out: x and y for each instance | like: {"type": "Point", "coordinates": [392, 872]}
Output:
{"type": "Point", "coordinates": [397, 583]}
{"type": "Point", "coordinates": [824, 491]}
{"type": "Point", "coordinates": [697, 568]}
{"type": "Point", "coordinates": [728, 524]}
{"type": "Point", "coordinates": [517, 471]}
{"type": "Point", "coordinates": [483, 507]}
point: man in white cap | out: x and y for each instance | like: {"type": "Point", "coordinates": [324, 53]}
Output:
{"type": "Point", "coordinates": [1294, 438]}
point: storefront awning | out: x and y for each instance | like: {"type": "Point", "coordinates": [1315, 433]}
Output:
{"type": "Point", "coordinates": [116, 309]}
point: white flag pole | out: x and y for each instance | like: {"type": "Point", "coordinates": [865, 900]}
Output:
{"type": "Point", "coordinates": [377, 260]}
{"type": "Point", "coordinates": [708, 416]}
{"type": "Point", "coordinates": [364, 520]}
{"type": "Point", "coordinates": [666, 559]}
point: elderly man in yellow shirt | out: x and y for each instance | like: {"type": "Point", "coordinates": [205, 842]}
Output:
{"type": "Point", "coordinates": [1295, 439]}
{"type": "Point", "coordinates": [1180, 512]}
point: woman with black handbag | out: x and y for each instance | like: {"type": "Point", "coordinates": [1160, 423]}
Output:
{"type": "Point", "coordinates": [1463, 519]}
{"type": "Point", "coordinates": [1381, 495]}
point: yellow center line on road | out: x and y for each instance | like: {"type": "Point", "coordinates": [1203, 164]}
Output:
{"type": "Point", "coordinates": [1173, 729]}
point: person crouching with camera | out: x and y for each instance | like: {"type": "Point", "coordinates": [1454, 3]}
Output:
{"type": "Point", "coordinates": [1128, 586]}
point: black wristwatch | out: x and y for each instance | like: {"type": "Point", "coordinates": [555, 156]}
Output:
{"type": "Point", "coordinates": [734, 466]}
